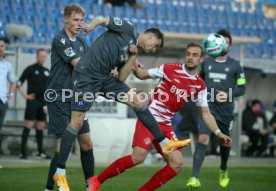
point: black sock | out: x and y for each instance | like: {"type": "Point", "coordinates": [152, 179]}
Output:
{"type": "Point", "coordinates": [52, 169]}
{"type": "Point", "coordinates": [39, 140]}
{"type": "Point", "coordinates": [24, 138]}
{"type": "Point", "coordinates": [150, 123]}
{"type": "Point", "coordinates": [67, 141]}
{"type": "Point", "coordinates": [87, 163]}
{"type": "Point", "coordinates": [198, 159]}
{"type": "Point", "coordinates": [224, 155]}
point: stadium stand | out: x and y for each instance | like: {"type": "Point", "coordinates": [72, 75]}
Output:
{"type": "Point", "coordinates": [195, 16]}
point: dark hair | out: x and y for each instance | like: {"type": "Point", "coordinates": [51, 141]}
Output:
{"type": "Point", "coordinates": [157, 33]}
{"type": "Point", "coordinates": [5, 39]}
{"type": "Point", "coordinates": [225, 33]}
{"type": "Point", "coordinates": [192, 44]}
{"type": "Point", "coordinates": [40, 50]}
{"type": "Point", "coordinates": [254, 102]}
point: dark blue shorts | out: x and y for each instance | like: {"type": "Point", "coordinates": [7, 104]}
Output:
{"type": "Point", "coordinates": [59, 118]}
{"type": "Point", "coordinates": [86, 89]}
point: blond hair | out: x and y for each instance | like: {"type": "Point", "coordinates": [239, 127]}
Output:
{"type": "Point", "coordinates": [73, 9]}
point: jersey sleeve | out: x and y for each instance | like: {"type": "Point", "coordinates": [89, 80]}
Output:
{"type": "Point", "coordinates": [157, 72]}
{"type": "Point", "coordinates": [63, 48]}
{"type": "Point", "coordinates": [240, 77]}
{"type": "Point", "coordinates": [120, 25]}
{"type": "Point", "coordinates": [23, 77]}
{"type": "Point", "coordinates": [201, 72]}
{"type": "Point", "coordinates": [11, 74]}
{"type": "Point", "coordinates": [202, 98]}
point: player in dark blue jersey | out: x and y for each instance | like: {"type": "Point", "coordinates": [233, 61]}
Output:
{"type": "Point", "coordinates": [225, 80]}
{"type": "Point", "coordinates": [115, 48]}
{"type": "Point", "coordinates": [66, 50]}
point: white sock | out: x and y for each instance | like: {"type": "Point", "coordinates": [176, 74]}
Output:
{"type": "Point", "coordinates": [164, 142]}
{"type": "Point", "coordinates": [48, 190]}
{"type": "Point", "coordinates": [60, 171]}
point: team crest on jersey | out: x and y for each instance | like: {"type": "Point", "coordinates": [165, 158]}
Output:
{"type": "Point", "coordinates": [210, 67]}
{"type": "Point", "coordinates": [147, 141]}
{"type": "Point", "coordinates": [46, 73]}
{"type": "Point", "coordinates": [69, 52]}
{"type": "Point", "coordinates": [36, 72]}
{"type": "Point", "coordinates": [227, 69]}
{"type": "Point", "coordinates": [81, 49]}
{"type": "Point", "coordinates": [118, 21]}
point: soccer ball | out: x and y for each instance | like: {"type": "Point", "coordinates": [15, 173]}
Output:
{"type": "Point", "coordinates": [214, 45]}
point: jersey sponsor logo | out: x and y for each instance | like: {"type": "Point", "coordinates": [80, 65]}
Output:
{"type": "Point", "coordinates": [46, 73]}
{"type": "Point", "coordinates": [62, 40]}
{"type": "Point", "coordinates": [180, 92]}
{"type": "Point", "coordinates": [69, 52]}
{"type": "Point", "coordinates": [219, 76]}
{"type": "Point", "coordinates": [118, 21]}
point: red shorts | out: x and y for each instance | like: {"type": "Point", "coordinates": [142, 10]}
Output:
{"type": "Point", "coordinates": [144, 139]}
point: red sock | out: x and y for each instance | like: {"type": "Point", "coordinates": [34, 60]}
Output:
{"type": "Point", "coordinates": [116, 168]}
{"type": "Point", "coordinates": [159, 179]}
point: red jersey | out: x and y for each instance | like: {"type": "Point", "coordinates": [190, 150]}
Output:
{"type": "Point", "coordinates": [175, 88]}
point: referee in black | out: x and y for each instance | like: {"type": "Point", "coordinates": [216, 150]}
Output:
{"type": "Point", "coordinates": [37, 76]}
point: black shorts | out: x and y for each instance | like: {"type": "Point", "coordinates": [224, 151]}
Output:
{"type": "Point", "coordinates": [59, 118]}
{"type": "Point", "coordinates": [225, 128]}
{"type": "Point", "coordinates": [87, 89]}
{"type": "Point", "coordinates": [34, 110]}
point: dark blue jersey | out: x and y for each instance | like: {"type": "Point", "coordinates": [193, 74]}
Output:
{"type": "Point", "coordinates": [110, 50]}
{"type": "Point", "coordinates": [63, 51]}
{"type": "Point", "coordinates": [227, 76]}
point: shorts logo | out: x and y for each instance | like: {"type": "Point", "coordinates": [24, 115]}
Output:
{"type": "Point", "coordinates": [147, 141]}
{"type": "Point", "coordinates": [69, 52]}
{"type": "Point", "coordinates": [80, 103]}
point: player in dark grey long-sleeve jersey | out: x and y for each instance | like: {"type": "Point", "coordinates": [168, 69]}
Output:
{"type": "Point", "coordinates": [66, 50]}
{"type": "Point", "coordinates": [115, 48]}
{"type": "Point", "coordinates": [225, 80]}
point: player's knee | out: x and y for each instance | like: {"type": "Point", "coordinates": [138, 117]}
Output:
{"type": "Point", "coordinates": [176, 163]}
{"type": "Point", "coordinates": [86, 144]}
{"type": "Point", "coordinates": [203, 139]}
{"type": "Point", "coordinates": [138, 157]}
{"type": "Point", "coordinates": [77, 123]}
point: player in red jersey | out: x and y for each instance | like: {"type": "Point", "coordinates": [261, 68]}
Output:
{"type": "Point", "coordinates": [178, 84]}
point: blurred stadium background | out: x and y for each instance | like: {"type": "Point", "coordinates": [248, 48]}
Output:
{"type": "Point", "coordinates": [252, 24]}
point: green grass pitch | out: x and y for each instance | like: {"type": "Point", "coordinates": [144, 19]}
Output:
{"type": "Point", "coordinates": [243, 178]}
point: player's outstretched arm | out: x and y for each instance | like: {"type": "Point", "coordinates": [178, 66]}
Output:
{"type": "Point", "coordinates": [94, 23]}
{"type": "Point", "coordinates": [210, 122]}
{"type": "Point", "coordinates": [140, 71]}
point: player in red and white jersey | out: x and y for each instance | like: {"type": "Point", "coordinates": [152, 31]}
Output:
{"type": "Point", "coordinates": [178, 84]}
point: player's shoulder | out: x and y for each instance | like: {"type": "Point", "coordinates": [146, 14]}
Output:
{"type": "Point", "coordinates": [80, 39]}
{"type": "Point", "coordinates": [172, 65]}
{"type": "Point", "coordinates": [61, 37]}
{"type": "Point", "coordinates": [232, 60]}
